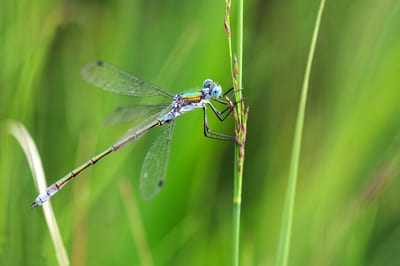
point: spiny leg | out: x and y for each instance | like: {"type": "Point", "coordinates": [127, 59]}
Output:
{"type": "Point", "coordinates": [233, 93]}
{"type": "Point", "coordinates": [220, 114]}
{"type": "Point", "coordinates": [228, 91]}
{"type": "Point", "coordinates": [211, 134]}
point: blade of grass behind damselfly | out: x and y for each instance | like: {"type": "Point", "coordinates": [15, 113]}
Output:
{"type": "Point", "coordinates": [135, 222]}
{"type": "Point", "coordinates": [287, 217]}
{"type": "Point", "coordinates": [23, 137]}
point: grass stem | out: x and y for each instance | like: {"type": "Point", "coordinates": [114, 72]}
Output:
{"type": "Point", "coordinates": [287, 218]}
{"type": "Point", "coordinates": [240, 115]}
{"type": "Point", "coordinates": [23, 137]}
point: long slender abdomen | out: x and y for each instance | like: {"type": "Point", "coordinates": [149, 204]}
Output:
{"type": "Point", "coordinates": [54, 188]}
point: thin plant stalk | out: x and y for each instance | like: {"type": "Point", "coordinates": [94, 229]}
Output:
{"type": "Point", "coordinates": [23, 137]}
{"type": "Point", "coordinates": [135, 222]}
{"type": "Point", "coordinates": [240, 115]}
{"type": "Point", "coordinates": [287, 217]}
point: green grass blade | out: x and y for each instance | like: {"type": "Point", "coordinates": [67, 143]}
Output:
{"type": "Point", "coordinates": [239, 149]}
{"type": "Point", "coordinates": [23, 137]}
{"type": "Point", "coordinates": [240, 115]}
{"type": "Point", "coordinates": [287, 218]}
{"type": "Point", "coordinates": [135, 222]}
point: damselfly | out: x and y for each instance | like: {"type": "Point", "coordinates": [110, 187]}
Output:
{"type": "Point", "coordinates": [153, 172]}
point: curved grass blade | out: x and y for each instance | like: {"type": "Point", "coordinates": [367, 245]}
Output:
{"type": "Point", "coordinates": [136, 223]}
{"type": "Point", "coordinates": [23, 137]}
{"type": "Point", "coordinates": [282, 258]}
{"type": "Point", "coordinates": [154, 167]}
{"type": "Point", "coordinates": [113, 79]}
{"type": "Point", "coordinates": [129, 113]}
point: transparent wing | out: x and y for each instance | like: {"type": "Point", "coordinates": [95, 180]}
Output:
{"type": "Point", "coordinates": [146, 123]}
{"type": "Point", "coordinates": [129, 113]}
{"type": "Point", "coordinates": [155, 164]}
{"type": "Point", "coordinates": [111, 78]}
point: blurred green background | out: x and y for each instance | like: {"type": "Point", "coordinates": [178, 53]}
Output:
{"type": "Point", "coordinates": [347, 209]}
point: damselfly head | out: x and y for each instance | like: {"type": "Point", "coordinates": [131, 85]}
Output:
{"type": "Point", "coordinates": [213, 89]}
{"type": "Point", "coordinates": [216, 91]}
{"type": "Point", "coordinates": [208, 83]}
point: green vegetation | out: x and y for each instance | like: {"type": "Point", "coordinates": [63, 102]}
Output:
{"type": "Point", "coordinates": [287, 217]}
{"type": "Point", "coordinates": [346, 208]}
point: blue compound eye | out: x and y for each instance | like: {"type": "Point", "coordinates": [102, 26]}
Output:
{"type": "Point", "coordinates": [216, 92]}
{"type": "Point", "coordinates": [208, 83]}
